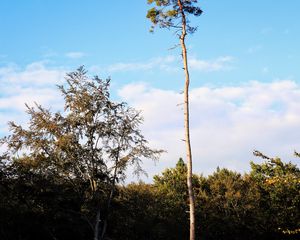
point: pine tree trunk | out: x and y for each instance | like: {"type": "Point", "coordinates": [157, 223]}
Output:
{"type": "Point", "coordinates": [187, 126]}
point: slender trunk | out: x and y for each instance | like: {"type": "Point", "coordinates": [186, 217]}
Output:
{"type": "Point", "coordinates": [97, 225]}
{"type": "Point", "coordinates": [104, 227]}
{"type": "Point", "coordinates": [112, 191]}
{"type": "Point", "coordinates": [99, 231]}
{"type": "Point", "coordinates": [187, 125]}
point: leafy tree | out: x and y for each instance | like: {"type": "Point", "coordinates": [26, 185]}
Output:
{"type": "Point", "coordinates": [229, 200]}
{"type": "Point", "coordinates": [35, 207]}
{"type": "Point", "coordinates": [279, 185]}
{"type": "Point", "coordinates": [94, 140]}
{"type": "Point", "coordinates": [171, 186]}
{"type": "Point", "coordinates": [137, 213]}
{"type": "Point", "coordinates": [173, 181]}
{"type": "Point", "coordinates": [173, 14]}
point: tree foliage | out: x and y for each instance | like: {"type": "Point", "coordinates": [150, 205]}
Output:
{"type": "Point", "coordinates": [279, 183]}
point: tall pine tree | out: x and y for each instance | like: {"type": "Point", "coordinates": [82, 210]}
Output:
{"type": "Point", "coordinates": [173, 14]}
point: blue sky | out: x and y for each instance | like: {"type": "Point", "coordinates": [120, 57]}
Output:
{"type": "Point", "coordinates": [244, 61]}
{"type": "Point", "coordinates": [261, 36]}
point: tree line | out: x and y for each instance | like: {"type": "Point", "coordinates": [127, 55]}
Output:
{"type": "Point", "coordinates": [261, 204]}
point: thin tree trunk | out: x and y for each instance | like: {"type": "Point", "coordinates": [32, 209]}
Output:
{"type": "Point", "coordinates": [97, 225]}
{"type": "Point", "coordinates": [112, 191]}
{"type": "Point", "coordinates": [187, 125]}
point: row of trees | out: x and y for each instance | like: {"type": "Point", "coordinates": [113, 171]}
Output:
{"type": "Point", "coordinates": [262, 204]}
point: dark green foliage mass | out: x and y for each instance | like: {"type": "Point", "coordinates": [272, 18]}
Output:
{"type": "Point", "coordinates": [263, 204]}
{"type": "Point", "coordinates": [279, 184]}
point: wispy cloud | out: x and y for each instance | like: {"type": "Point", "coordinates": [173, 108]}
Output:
{"type": "Point", "coordinates": [121, 67]}
{"type": "Point", "coordinates": [166, 63]}
{"type": "Point", "coordinates": [265, 70]}
{"type": "Point", "coordinates": [215, 65]}
{"type": "Point", "coordinates": [75, 55]}
{"type": "Point", "coordinates": [50, 54]}
{"type": "Point", "coordinates": [169, 63]}
{"type": "Point", "coordinates": [254, 49]}
{"type": "Point", "coordinates": [33, 74]}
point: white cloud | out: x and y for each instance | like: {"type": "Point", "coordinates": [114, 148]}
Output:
{"type": "Point", "coordinates": [218, 64]}
{"type": "Point", "coordinates": [170, 64]}
{"type": "Point", "coordinates": [33, 74]}
{"type": "Point", "coordinates": [35, 83]}
{"type": "Point", "coordinates": [130, 91]}
{"type": "Point", "coordinates": [265, 70]}
{"type": "Point", "coordinates": [227, 123]}
{"type": "Point", "coordinates": [254, 49]}
{"type": "Point", "coordinates": [75, 55]}
{"type": "Point", "coordinates": [119, 67]}
{"type": "Point", "coordinates": [20, 96]}
{"type": "Point", "coordinates": [163, 63]}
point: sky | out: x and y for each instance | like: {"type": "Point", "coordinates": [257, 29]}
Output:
{"type": "Point", "coordinates": [244, 67]}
